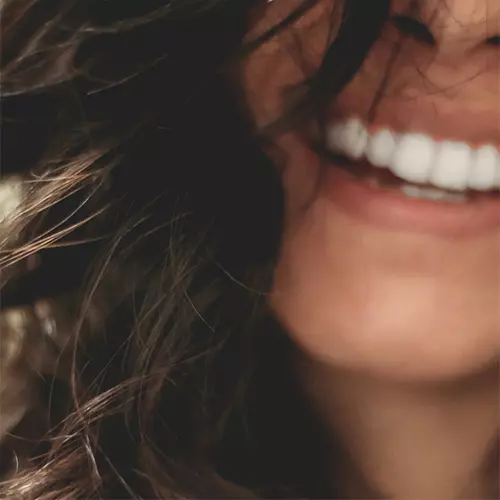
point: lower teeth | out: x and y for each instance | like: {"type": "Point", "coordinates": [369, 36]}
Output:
{"type": "Point", "coordinates": [426, 193]}
{"type": "Point", "coordinates": [432, 194]}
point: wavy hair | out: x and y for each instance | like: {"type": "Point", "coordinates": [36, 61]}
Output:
{"type": "Point", "coordinates": [139, 248]}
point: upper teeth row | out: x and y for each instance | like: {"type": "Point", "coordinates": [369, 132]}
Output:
{"type": "Point", "coordinates": [419, 158]}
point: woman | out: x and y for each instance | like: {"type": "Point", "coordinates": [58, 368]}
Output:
{"type": "Point", "coordinates": [251, 249]}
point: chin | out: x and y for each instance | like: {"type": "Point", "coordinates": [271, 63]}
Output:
{"type": "Point", "coordinates": [410, 347]}
{"type": "Point", "coordinates": [389, 286]}
{"type": "Point", "coordinates": [398, 305]}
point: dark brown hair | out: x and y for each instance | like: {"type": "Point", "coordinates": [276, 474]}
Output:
{"type": "Point", "coordinates": [155, 219]}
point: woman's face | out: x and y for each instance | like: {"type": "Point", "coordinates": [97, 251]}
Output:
{"type": "Point", "coordinates": [370, 278]}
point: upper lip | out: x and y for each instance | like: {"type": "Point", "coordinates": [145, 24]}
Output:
{"type": "Point", "coordinates": [475, 124]}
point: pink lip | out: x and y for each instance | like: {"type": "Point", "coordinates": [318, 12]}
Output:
{"type": "Point", "coordinates": [396, 211]}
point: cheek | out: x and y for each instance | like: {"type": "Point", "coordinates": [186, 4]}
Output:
{"type": "Point", "coordinates": [287, 59]}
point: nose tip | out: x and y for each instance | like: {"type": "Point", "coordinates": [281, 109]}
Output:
{"type": "Point", "coordinates": [453, 26]}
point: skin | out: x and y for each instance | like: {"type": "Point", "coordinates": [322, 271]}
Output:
{"type": "Point", "coordinates": [402, 328]}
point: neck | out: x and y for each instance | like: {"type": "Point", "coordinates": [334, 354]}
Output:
{"type": "Point", "coordinates": [411, 441]}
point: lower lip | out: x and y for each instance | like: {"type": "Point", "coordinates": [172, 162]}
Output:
{"type": "Point", "coordinates": [394, 210]}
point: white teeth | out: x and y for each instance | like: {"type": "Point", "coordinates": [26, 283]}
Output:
{"type": "Point", "coordinates": [350, 138]}
{"type": "Point", "coordinates": [486, 169]}
{"type": "Point", "coordinates": [452, 166]}
{"type": "Point", "coordinates": [418, 158]}
{"type": "Point", "coordinates": [414, 158]}
{"type": "Point", "coordinates": [432, 194]}
{"type": "Point", "coordinates": [381, 148]}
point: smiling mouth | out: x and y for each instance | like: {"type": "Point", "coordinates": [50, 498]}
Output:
{"type": "Point", "coordinates": [416, 165]}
